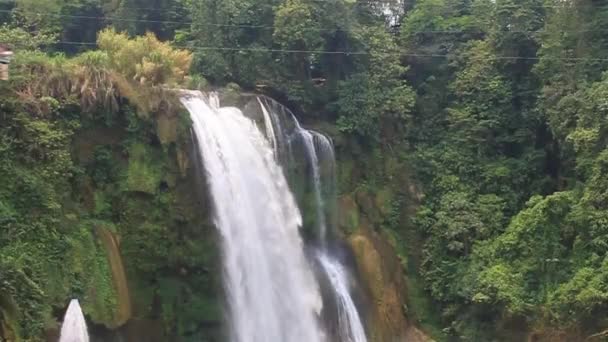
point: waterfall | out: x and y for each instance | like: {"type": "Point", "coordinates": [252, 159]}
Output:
{"type": "Point", "coordinates": [74, 328]}
{"type": "Point", "coordinates": [277, 128]}
{"type": "Point", "coordinates": [271, 290]}
{"type": "Point", "coordinates": [324, 149]}
{"type": "Point", "coordinates": [311, 151]}
{"type": "Point", "coordinates": [317, 149]}
{"type": "Point", "coordinates": [351, 328]}
{"type": "Point", "coordinates": [269, 129]}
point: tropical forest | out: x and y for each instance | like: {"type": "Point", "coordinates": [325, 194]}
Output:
{"type": "Point", "coordinates": [303, 170]}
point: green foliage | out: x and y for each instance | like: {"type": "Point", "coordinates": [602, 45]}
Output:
{"type": "Point", "coordinates": [136, 69]}
{"type": "Point", "coordinates": [495, 138]}
{"type": "Point", "coordinates": [161, 17]}
{"type": "Point", "coordinates": [145, 59]}
{"type": "Point", "coordinates": [18, 37]}
{"type": "Point", "coordinates": [377, 100]}
{"type": "Point", "coordinates": [295, 27]}
{"type": "Point", "coordinates": [584, 295]}
{"type": "Point", "coordinates": [500, 286]}
{"type": "Point", "coordinates": [144, 173]}
{"type": "Point", "coordinates": [64, 173]}
{"type": "Point", "coordinates": [47, 256]}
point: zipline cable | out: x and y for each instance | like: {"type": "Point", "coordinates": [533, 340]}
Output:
{"type": "Point", "coordinates": [272, 27]}
{"type": "Point", "coordinates": [398, 4]}
{"type": "Point", "coordinates": [357, 53]}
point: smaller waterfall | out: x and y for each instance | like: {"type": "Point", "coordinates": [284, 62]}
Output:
{"type": "Point", "coordinates": [272, 137]}
{"type": "Point", "coordinates": [324, 150]}
{"type": "Point", "coordinates": [350, 325]}
{"type": "Point", "coordinates": [74, 328]}
{"type": "Point", "coordinates": [311, 151]}
{"type": "Point", "coordinates": [277, 129]}
{"type": "Point", "coordinates": [319, 153]}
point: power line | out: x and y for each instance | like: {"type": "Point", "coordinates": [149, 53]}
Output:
{"type": "Point", "coordinates": [150, 21]}
{"type": "Point", "coordinates": [494, 5]}
{"type": "Point", "coordinates": [151, 9]}
{"type": "Point", "coordinates": [272, 27]}
{"type": "Point", "coordinates": [401, 4]}
{"type": "Point", "coordinates": [360, 53]}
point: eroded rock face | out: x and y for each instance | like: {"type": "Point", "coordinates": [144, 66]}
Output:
{"type": "Point", "coordinates": [9, 318]}
{"type": "Point", "coordinates": [557, 335]}
{"type": "Point", "coordinates": [381, 272]}
{"type": "Point", "coordinates": [377, 194]}
{"type": "Point", "coordinates": [122, 311]}
{"type": "Point", "coordinates": [166, 128]}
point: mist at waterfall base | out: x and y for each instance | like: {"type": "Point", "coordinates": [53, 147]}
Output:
{"type": "Point", "coordinates": [271, 277]}
{"type": "Point", "coordinates": [74, 327]}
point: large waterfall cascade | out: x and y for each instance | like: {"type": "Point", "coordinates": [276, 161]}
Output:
{"type": "Point", "coordinates": [271, 290]}
{"type": "Point", "coordinates": [317, 149]}
{"type": "Point", "coordinates": [74, 327]}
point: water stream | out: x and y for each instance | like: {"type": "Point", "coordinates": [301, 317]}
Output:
{"type": "Point", "coordinates": [272, 292]}
{"type": "Point", "coordinates": [318, 149]}
{"type": "Point", "coordinates": [349, 322]}
{"type": "Point", "coordinates": [74, 327]}
{"type": "Point", "coordinates": [308, 137]}
{"type": "Point", "coordinates": [271, 289]}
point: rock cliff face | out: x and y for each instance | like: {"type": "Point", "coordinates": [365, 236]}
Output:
{"type": "Point", "coordinates": [168, 244]}
{"type": "Point", "coordinates": [148, 235]}
{"type": "Point", "coordinates": [383, 277]}
{"type": "Point", "coordinates": [123, 310]}
{"type": "Point", "coordinates": [376, 203]}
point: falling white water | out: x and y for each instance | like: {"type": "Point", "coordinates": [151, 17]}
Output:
{"type": "Point", "coordinates": [275, 129]}
{"type": "Point", "coordinates": [269, 125]}
{"type": "Point", "coordinates": [349, 323]}
{"type": "Point", "coordinates": [272, 293]}
{"type": "Point", "coordinates": [74, 328]}
{"type": "Point", "coordinates": [324, 149]}
{"type": "Point", "coordinates": [319, 148]}
{"type": "Point", "coordinates": [309, 145]}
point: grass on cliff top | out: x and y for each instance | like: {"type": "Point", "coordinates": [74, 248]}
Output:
{"type": "Point", "coordinates": [141, 70]}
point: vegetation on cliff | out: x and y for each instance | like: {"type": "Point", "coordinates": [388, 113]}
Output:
{"type": "Point", "coordinates": [90, 154]}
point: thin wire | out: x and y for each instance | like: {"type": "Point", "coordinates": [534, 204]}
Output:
{"type": "Point", "coordinates": [359, 53]}
{"type": "Point", "coordinates": [151, 9]}
{"type": "Point", "coordinates": [401, 4]}
{"type": "Point", "coordinates": [147, 21]}
{"type": "Point", "coordinates": [493, 4]}
{"type": "Point", "coordinates": [272, 27]}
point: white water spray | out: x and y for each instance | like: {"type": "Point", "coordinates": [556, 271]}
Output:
{"type": "Point", "coordinates": [271, 290]}
{"type": "Point", "coordinates": [351, 327]}
{"type": "Point", "coordinates": [74, 327]}
{"type": "Point", "coordinates": [269, 128]}
{"type": "Point", "coordinates": [317, 147]}
{"type": "Point", "coordinates": [309, 144]}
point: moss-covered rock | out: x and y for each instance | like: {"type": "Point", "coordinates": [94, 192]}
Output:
{"type": "Point", "coordinates": [144, 172]}
{"type": "Point", "coordinates": [381, 273]}
{"type": "Point", "coordinates": [348, 220]}
{"type": "Point", "coordinates": [377, 201]}
{"type": "Point", "coordinates": [122, 312]}
{"type": "Point", "coordinates": [166, 127]}
{"type": "Point", "coordinates": [388, 318]}
{"type": "Point", "coordinates": [9, 325]}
